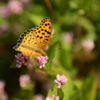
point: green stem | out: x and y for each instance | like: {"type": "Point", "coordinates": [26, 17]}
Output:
{"type": "Point", "coordinates": [58, 92]}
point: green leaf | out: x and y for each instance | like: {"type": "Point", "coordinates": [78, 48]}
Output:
{"type": "Point", "coordinates": [13, 65]}
{"type": "Point", "coordinates": [70, 91]}
{"type": "Point", "coordinates": [60, 93]}
{"type": "Point", "coordinates": [90, 87]}
{"type": "Point", "coordinates": [49, 93]}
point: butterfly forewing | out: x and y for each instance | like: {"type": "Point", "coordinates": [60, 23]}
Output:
{"type": "Point", "coordinates": [43, 32]}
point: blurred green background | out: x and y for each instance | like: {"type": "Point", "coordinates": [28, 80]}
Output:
{"type": "Point", "coordinates": [76, 26]}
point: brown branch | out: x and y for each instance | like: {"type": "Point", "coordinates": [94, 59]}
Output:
{"type": "Point", "coordinates": [50, 8]}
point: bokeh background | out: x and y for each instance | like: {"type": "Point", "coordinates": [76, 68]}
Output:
{"type": "Point", "coordinates": [74, 49]}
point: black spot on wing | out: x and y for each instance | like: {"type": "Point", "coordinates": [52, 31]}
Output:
{"type": "Point", "coordinates": [38, 31]}
{"type": "Point", "coordinates": [37, 36]}
{"type": "Point", "coordinates": [22, 37]}
{"type": "Point", "coordinates": [48, 24]}
{"type": "Point", "coordinates": [49, 27]}
{"type": "Point", "coordinates": [41, 37]}
{"type": "Point", "coordinates": [46, 39]}
{"type": "Point", "coordinates": [45, 30]}
{"type": "Point", "coordinates": [47, 36]}
{"type": "Point", "coordinates": [42, 30]}
{"type": "Point", "coordinates": [48, 32]}
{"type": "Point", "coordinates": [43, 33]}
{"type": "Point", "coordinates": [45, 24]}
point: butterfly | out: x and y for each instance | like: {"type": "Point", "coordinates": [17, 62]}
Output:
{"type": "Point", "coordinates": [33, 42]}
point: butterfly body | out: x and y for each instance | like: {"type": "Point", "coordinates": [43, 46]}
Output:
{"type": "Point", "coordinates": [33, 42]}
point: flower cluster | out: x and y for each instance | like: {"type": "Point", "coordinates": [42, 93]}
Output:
{"type": "Point", "coordinates": [4, 11]}
{"type": "Point", "coordinates": [61, 80]}
{"type": "Point", "coordinates": [13, 6]}
{"type": "Point", "coordinates": [25, 60]}
{"type": "Point", "coordinates": [38, 97]}
{"type": "Point", "coordinates": [24, 80]}
{"type": "Point", "coordinates": [88, 44]}
{"type": "Point", "coordinates": [4, 28]}
{"type": "Point", "coordinates": [22, 60]}
{"type": "Point", "coordinates": [42, 60]}
{"type": "Point", "coordinates": [68, 37]}
{"type": "Point", "coordinates": [3, 95]}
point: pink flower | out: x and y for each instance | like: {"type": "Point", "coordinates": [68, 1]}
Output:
{"type": "Point", "coordinates": [38, 97]}
{"type": "Point", "coordinates": [88, 44]}
{"type": "Point", "coordinates": [53, 31]}
{"type": "Point", "coordinates": [24, 80]}
{"type": "Point", "coordinates": [68, 37]}
{"type": "Point", "coordinates": [61, 80]}
{"type": "Point", "coordinates": [15, 6]}
{"type": "Point", "coordinates": [22, 60]}
{"type": "Point", "coordinates": [4, 27]}
{"type": "Point", "coordinates": [4, 11]}
{"type": "Point", "coordinates": [53, 97]}
{"type": "Point", "coordinates": [42, 60]}
{"type": "Point", "coordinates": [26, 2]}
{"type": "Point", "coordinates": [2, 85]}
{"type": "Point", "coordinates": [3, 95]}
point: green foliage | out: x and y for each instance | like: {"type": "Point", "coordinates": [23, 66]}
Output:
{"type": "Point", "coordinates": [74, 21]}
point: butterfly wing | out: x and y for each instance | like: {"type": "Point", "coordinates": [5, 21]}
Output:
{"type": "Point", "coordinates": [32, 42]}
{"type": "Point", "coordinates": [43, 33]}
{"type": "Point", "coordinates": [28, 45]}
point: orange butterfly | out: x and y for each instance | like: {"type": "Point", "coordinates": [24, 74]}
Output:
{"type": "Point", "coordinates": [33, 42]}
